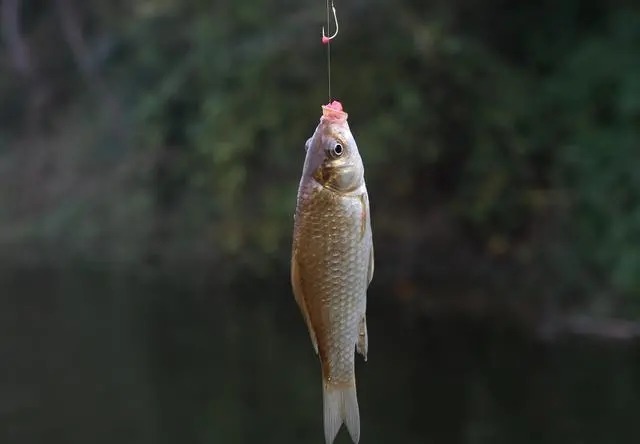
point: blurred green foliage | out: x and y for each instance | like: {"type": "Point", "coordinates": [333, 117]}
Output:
{"type": "Point", "coordinates": [501, 140]}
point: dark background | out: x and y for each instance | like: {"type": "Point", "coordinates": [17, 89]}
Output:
{"type": "Point", "coordinates": [150, 152]}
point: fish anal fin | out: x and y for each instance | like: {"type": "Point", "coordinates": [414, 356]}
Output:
{"type": "Point", "coordinates": [298, 292]}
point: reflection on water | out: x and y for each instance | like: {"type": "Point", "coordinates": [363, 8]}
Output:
{"type": "Point", "coordinates": [92, 359]}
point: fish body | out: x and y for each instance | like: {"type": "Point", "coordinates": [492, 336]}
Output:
{"type": "Point", "coordinates": [332, 263]}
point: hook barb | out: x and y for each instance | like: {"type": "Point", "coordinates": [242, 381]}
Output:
{"type": "Point", "coordinates": [326, 39]}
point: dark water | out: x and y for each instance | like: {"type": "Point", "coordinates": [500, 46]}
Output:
{"type": "Point", "coordinates": [88, 358]}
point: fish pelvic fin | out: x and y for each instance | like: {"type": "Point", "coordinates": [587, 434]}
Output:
{"type": "Point", "coordinates": [340, 406]}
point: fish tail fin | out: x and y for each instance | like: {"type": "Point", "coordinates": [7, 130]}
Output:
{"type": "Point", "coordinates": [340, 406]}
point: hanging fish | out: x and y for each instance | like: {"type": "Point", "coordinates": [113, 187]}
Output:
{"type": "Point", "coordinates": [332, 263]}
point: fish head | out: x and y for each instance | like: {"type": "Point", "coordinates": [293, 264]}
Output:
{"type": "Point", "coordinates": [333, 159]}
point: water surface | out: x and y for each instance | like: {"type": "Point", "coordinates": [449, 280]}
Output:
{"type": "Point", "coordinates": [88, 357]}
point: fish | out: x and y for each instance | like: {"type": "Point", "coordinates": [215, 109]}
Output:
{"type": "Point", "coordinates": [332, 263]}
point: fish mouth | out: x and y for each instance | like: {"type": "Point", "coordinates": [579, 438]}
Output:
{"type": "Point", "coordinates": [333, 112]}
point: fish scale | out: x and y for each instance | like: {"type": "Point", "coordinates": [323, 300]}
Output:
{"type": "Point", "coordinates": [340, 280]}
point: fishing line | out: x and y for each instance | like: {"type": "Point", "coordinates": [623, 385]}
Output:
{"type": "Point", "coordinates": [328, 54]}
{"type": "Point", "coordinates": [327, 40]}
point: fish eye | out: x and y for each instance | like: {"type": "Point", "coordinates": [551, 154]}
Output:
{"type": "Point", "coordinates": [337, 150]}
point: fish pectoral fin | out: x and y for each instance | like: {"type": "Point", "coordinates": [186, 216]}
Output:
{"type": "Point", "coordinates": [363, 339]}
{"type": "Point", "coordinates": [298, 292]}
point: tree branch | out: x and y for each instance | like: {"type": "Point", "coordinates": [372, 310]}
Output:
{"type": "Point", "coordinates": [11, 33]}
{"type": "Point", "coordinates": [72, 30]}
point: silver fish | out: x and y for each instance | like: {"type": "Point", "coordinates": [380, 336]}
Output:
{"type": "Point", "coordinates": [332, 263]}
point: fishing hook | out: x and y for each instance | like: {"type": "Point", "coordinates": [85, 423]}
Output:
{"type": "Point", "coordinates": [325, 38]}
